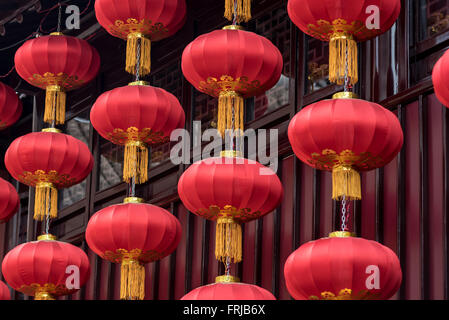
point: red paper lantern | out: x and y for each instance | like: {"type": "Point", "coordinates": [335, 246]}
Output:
{"type": "Point", "coordinates": [439, 78]}
{"type": "Point", "coordinates": [4, 291]}
{"type": "Point", "coordinates": [136, 116]}
{"type": "Point", "coordinates": [342, 23]}
{"type": "Point", "coordinates": [342, 267]}
{"type": "Point", "coordinates": [57, 63]}
{"type": "Point", "coordinates": [231, 191]}
{"type": "Point", "coordinates": [229, 288]}
{"type": "Point", "coordinates": [40, 268]}
{"type": "Point", "coordinates": [133, 234]}
{"type": "Point", "coordinates": [10, 106]}
{"type": "Point", "coordinates": [9, 200]}
{"type": "Point", "coordinates": [231, 64]}
{"type": "Point", "coordinates": [140, 22]}
{"type": "Point", "coordinates": [48, 160]}
{"type": "Point", "coordinates": [345, 136]}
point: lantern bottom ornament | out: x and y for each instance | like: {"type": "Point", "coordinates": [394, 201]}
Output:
{"type": "Point", "coordinates": [240, 10]}
{"type": "Point", "coordinates": [55, 104]}
{"type": "Point", "coordinates": [138, 54]}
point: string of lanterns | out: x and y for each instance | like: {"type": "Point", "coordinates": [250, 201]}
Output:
{"type": "Point", "coordinates": [344, 135]}
{"type": "Point", "coordinates": [50, 160]}
{"type": "Point", "coordinates": [138, 115]}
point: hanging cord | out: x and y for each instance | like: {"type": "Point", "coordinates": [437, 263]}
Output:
{"type": "Point", "coordinates": [59, 17]}
{"type": "Point", "coordinates": [343, 214]}
{"type": "Point", "coordinates": [139, 44]}
{"type": "Point", "coordinates": [234, 21]}
{"type": "Point", "coordinates": [228, 258]}
{"type": "Point", "coordinates": [346, 85]}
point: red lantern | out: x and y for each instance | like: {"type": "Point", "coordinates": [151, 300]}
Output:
{"type": "Point", "coordinates": [231, 64]}
{"type": "Point", "coordinates": [10, 106]}
{"type": "Point", "coordinates": [345, 136]}
{"type": "Point", "coordinates": [57, 63]}
{"type": "Point", "coordinates": [229, 288]}
{"type": "Point", "coordinates": [9, 200]}
{"type": "Point", "coordinates": [439, 78]}
{"type": "Point", "coordinates": [231, 191]}
{"type": "Point", "coordinates": [342, 267]}
{"type": "Point", "coordinates": [342, 23]}
{"type": "Point", "coordinates": [140, 22]}
{"type": "Point", "coordinates": [4, 291]}
{"type": "Point", "coordinates": [133, 234]}
{"type": "Point", "coordinates": [136, 116]}
{"type": "Point", "coordinates": [42, 268]}
{"type": "Point", "coordinates": [48, 160]}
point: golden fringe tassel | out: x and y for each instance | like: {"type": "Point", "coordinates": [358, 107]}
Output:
{"type": "Point", "coordinates": [226, 101]}
{"type": "Point", "coordinates": [45, 201]}
{"type": "Point", "coordinates": [337, 59]}
{"type": "Point", "coordinates": [55, 100]}
{"type": "Point", "coordinates": [228, 240]}
{"type": "Point", "coordinates": [346, 181]}
{"type": "Point", "coordinates": [132, 280]}
{"type": "Point", "coordinates": [132, 54]}
{"type": "Point", "coordinates": [43, 295]}
{"type": "Point", "coordinates": [136, 162]}
{"type": "Point", "coordinates": [243, 10]}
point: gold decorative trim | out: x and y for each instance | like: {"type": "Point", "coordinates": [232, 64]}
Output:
{"type": "Point", "coordinates": [345, 95]}
{"type": "Point", "coordinates": [230, 154]}
{"type": "Point", "coordinates": [133, 200]}
{"type": "Point", "coordinates": [213, 86]}
{"type": "Point", "coordinates": [154, 31]}
{"type": "Point", "coordinates": [325, 30]}
{"type": "Point", "coordinates": [226, 279]}
{"type": "Point", "coordinates": [341, 234]}
{"type": "Point", "coordinates": [49, 288]}
{"type": "Point", "coordinates": [59, 180]}
{"type": "Point", "coordinates": [239, 216]}
{"type": "Point", "coordinates": [328, 159]}
{"type": "Point", "coordinates": [61, 79]}
{"type": "Point", "coordinates": [47, 236]}
{"type": "Point", "coordinates": [233, 27]}
{"type": "Point", "coordinates": [56, 34]}
{"type": "Point", "coordinates": [136, 254]}
{"type": "Point", "coordinates": [346, 294]}
{"type": "Point", "coordinates": [146, 135]}
{"type": "Point", "coordinates": [54, 130]}
{"type": "Point", "coordinates": [139, 83]}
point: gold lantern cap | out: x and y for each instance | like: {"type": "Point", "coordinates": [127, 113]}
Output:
{"type": "Point", "coordinates": [54, 130]}
{"type": "Point", "coordinates": [133, 200]}
{"type": "Point", "coordinates": [139, 83]}
{"type": "Point", "coordinates": [226, 279]}
{"type": "Point", "coordinates": [233, 27]}
{"type": "Point", "coordinates": [345, 95]}
{"type": "Point", "coordinates": [46, 236]}
{"type": "Point", "coordinates": [341, 234]}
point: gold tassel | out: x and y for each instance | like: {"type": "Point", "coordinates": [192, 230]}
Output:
{"type": "Point", "coordinates": [228, 240]}
{"type": "Point", "coordinates": [136, 162]}
{"type": "Point", "coordinates": [45, 201]}
{"type": "Point", "coordinates": [43, 295]}
{"type": "Point", "coordinates": [346, 181]}
{"type": "Point", "coordinates": [243, 10]}
{"type": "Point", "coordinates": [55, 100]}
{"type": "Point", "coordinates": [226, 101]}
{"type": "Point", "coordinates": [132, 54]}
{"type": "Point", "coordinates": [337, 59]}
{"type": "Point", "coordinates": [132, 280]}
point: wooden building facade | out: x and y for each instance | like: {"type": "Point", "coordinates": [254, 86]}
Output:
{"type": "Point", "coordinates": [405, 204]}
